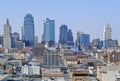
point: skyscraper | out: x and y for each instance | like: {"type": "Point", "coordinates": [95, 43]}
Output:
{"type": "Point", "coordinates": [28, 30]}
{"type": "Point", "coordinates": [70, 35]}
{"type": "Point", "coordinates": [70, 38]}
{"type": "Point", "coordinates": [107, 34]}
{"type": "Point", "coordinates": [7, 35]}
{"type": "Point", "coordinates": [63, 34]}
{"type": "Point", "coordinates": [49, 32]}
{"type": "Point", "coordinates": [78, 40]}
{"type": "Point", "coordinates": [15, 37]}
{"type": "Point", "coordinates": [84, 40]}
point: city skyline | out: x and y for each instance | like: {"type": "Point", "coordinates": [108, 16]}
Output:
{"type": "Point", "coordinates": [77, 15]}
{"type": "Point", "coordinates": [59, 40]}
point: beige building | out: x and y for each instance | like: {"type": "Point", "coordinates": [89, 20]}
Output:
{"type": "Point", "coordinates": [114, 57]}
{"type": "Point", "coordinates": [52, 72]}
{"type": "Point", "coordinates": [81, 75]}
{"type": "Point", "coordinates": [108, 73]}
{"type": "Point", "coordinates": [7, 35]}
{"type": "Point", "coordinates": [70, 60]}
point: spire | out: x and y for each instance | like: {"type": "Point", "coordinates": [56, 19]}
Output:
{"type": "Point", "coordinates": [7, 22]}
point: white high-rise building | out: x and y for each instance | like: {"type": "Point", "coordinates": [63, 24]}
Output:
{"type": "Point", "coordinates": [7, 35]}
{"type": "Point", "coordinates": [107, 34]}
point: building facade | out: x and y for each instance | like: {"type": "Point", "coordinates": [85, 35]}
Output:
{"type": "Point", "coordinates": [38, 49]}
{"type": "Point", "coordinates": [84, 40]}
{"type": "Point", "coordinates": [77, 42]}
{"type": "Point", "coordinates": [7, 35]}
{"type": "Point", "coordinates": [70, 41]}
{"type": "Point", "coordinates": [70, 35]}
{"type": "Point", "coordinates": [108, 73]}
{"type": "Point", "coordinates": [49, 32]}
{"type": "Point", "coordinates": [30, 70]}
{"type": "Point", "coordinates": [107, 36]}
{"type": "Point", "coordinates": [51, 58]}
{"type": "Point", "coordinates": [110, 43]}
{"type": "Point", "coordinates": [97, 44]}
{"type": "Point", "coordinates": [28, 30]}
{"type": "Point", "coordinates": [19, 44]}
{"type": "Point", "coordinates": [107, 33]}
{"type": "Point", "coordinates": [1, 41]}
{"type": "Point", "coordinates": [63, 34]}
{"type": "Point", "coordinates": [16, 36]}
{"type": "Point", "coordinates": [14, 39]}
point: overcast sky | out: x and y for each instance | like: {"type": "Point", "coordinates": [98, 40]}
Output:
{"type": "Point", "coordinates": [88, 16]}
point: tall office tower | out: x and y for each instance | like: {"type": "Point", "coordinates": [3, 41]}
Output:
{"type": "Point", "coordinates": [15, 37]}
{"type": "Point", "coordinates": [107, 34]}
{"type": "Point", "coordinates": [70, 41]}
{"type": "Point", "coordinates": [16, 42]}
{"type": "Point", "coordinates": [84, 40]}
{"type": "Point", "coordinates": [7, 35]}
{"type": "Point", "coordinates": [63, 34]}
{"type": "Point", "coordinates": [28, 31]}
{"type": "Point", "coordinates": [78, 38]}
{"type": "Point", "coordinates": [70, 35]}
{"type": "Point", "coordinates": [49, 32]}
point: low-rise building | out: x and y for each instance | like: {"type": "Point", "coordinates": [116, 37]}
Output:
{"type": "Point", "coordinates": [114, 57]}
{"type": "Point", "coordinates": [24, 70]}
{"type": "Point", "coordinates": [85, 61]}
{"type": "Point", "coordinates": [30, 70]}
{"type": "Point", "coordinates": [81, 75]}
{"type": "Point", "coordinates": [52, 72]}
{"type": "Point", "coordinates": [36, 70]}
{"type": "Point", "coordinates": [70, 60]}
{"type": "Point", "coordinates": [108, 73]}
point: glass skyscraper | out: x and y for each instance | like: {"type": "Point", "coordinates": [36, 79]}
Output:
{"type": "Point", "coordinates": [49, 32]}
{"type": "Point", "coordinates": [63, 34]}
{"type": "Point", "coordinates": [84, 40]}
{"type": "Point", "coordinates": [70, 41]}
{"type": "Point", "coordinates": [70, 35]}
{"type": "Point", "coordinates": [28, 30]}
